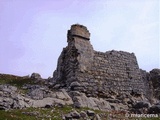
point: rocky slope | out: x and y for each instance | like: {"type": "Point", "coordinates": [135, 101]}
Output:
{"type": "Point", "coordinates": [26, 92]}
{"type": "Point", "coordinates": [84, 78]}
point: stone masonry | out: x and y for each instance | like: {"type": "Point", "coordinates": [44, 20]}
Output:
{"type": "Point", "coordinates": [81, 68]}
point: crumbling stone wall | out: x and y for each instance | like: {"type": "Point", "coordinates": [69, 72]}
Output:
{"type": "Point", "coordinates": [148, 84]}
{"type": "Point", "coordinates": [95, 73]}
{"type": "Point", "coordinates": [75, 57]}
{"type": "Point", "coordinates": [119, 70]}
{"type": "Point", "coordinates": [154, 77]}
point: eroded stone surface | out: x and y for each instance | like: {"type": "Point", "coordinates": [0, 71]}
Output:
{"type": "Point", "coordinates": [81, 68]}
{"type": "Point", "coordinates": [12, 99]}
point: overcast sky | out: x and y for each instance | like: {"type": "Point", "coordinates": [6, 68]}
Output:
{"type": "Point", "coordinates": [34, 32]}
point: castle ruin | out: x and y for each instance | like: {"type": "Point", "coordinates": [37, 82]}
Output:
{"type": "Point", "coordinates": [109, 81]}
{"type": "Point", "coordinates": [81, 68]}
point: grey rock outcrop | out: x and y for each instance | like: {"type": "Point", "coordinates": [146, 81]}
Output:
{"type": "Point", "coordinates": [36, 76]}
{"type": "Point", "coordinates": [155, 109]}
{"type": "Point", "coordinates": [10, 98]}
{"type": "Point", "coordinates": [81, 100]}
{"type": "Point", "coordinates": [84, 115]}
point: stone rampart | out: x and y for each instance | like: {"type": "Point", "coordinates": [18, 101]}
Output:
{"type": "Point", "coordinates": [80, 68]}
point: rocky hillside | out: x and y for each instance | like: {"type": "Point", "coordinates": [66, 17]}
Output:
{"type": "Point", "coordinates": [86, 85]}
{"type": "Point", "coordinates": [31, 97]}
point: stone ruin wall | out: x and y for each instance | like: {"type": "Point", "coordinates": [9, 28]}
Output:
{"type": "Point", "coordinates": [81, 68]}
{"type": "Point", "coordinates": [119, 70]}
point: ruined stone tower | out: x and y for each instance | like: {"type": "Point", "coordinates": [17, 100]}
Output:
{"type": "Point", "coordinates": [80, 68]}
{"type": "Point", "coordinates": [78, 38]}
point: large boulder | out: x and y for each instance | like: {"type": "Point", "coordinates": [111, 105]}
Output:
{"type": "Point", "coordinates": [36, 76]}
{"type": "Point", "coordinates": [81, 100]}
{"type": "Point", "coordinates": [155, 109]}
{"type": "Point", "coordinates": [59, 98]}
{"type": "Point", "coordinates": [38, 92]}
{"type": "Point", "coordinates": [140, 107]}
{"type": "Point", "coordinates": [141, 104]}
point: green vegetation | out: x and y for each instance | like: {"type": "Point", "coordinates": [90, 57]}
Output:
{"type": "Point", "coordinates": [40, 113]}
{"type": "Point", "coordinates": [153, 118]}
{"type": "Point", "coordinates": [15, 80]}
{"type": "Point", "coordinates": [56, 113]}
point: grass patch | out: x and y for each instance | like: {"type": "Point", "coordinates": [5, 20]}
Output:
{"type": "Point", "coordinates": [15, 115]}
{"type": "Point", "coordinates": [35, 113]}
{"type": "Point", "coordinates": [38, 113]}
{"type": "Point", "coordinates": [55, 114]}
{"type": "Point", "coordinates": [15, 80]}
